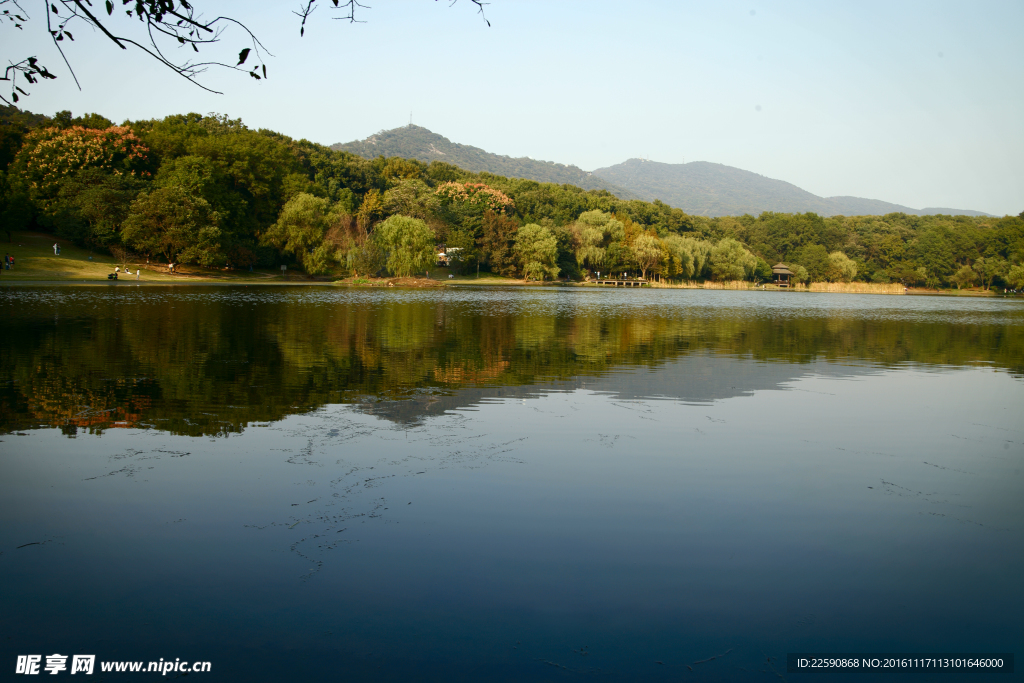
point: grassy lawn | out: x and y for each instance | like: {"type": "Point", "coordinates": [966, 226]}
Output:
{"type": "Point", "coordinates": [34, 261]}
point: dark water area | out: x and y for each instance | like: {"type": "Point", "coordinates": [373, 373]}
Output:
{"type": "Point", "coordinates": [490, 484]}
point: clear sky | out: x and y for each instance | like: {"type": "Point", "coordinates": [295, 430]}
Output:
{"type": "Point", "coordinates": [917, 103]}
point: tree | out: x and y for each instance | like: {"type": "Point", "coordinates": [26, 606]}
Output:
{"type": "Point", "coordinates": [156, 28]}
{"type": "Point", "coordinates": [730, 261]}
{"type": "Point", "coordinates": [964, 276]}
{"type": "Point", "coordinates": [51, 155]}
{"type": "Point", "coordinates": [988, 268]}
{"type": "Point", "coordinates": [814, 258]}
{"type": "Point", "coordinates": [1015, 276]}
{"type": "Point", "coordinates": [91, 206]}
{"type": "Point", "coordinates": [408, 245]}
{"type": "Point", "coordinates": [537, 251]}
{"type": "Point", "coordinates": [300, 230]}
{"type": "Point", "coordinates": [680, 261]}
{"type": "Point", "coordinates": [499, 236]}
{"type": "Point", "coordinates": [122, 256]}
{"type": "Point", "coordinates": [646, 252]}
{"type": "Point", "coordinates": [589, 236]}
{"type": "Point", "coordinates": [841, 268]}
{"type": "Point", "coordinates": [463, 256]}
{"type": "Point", "coordinates": [171, 223]}
{"type": "Point", "coordinates": [762, 271]}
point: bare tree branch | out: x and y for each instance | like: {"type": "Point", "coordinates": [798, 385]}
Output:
{"type": "Point", "coordinates": [162, 21]}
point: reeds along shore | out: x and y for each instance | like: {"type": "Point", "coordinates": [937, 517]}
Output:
{"type": "Point", "coordinates": [841, 287]}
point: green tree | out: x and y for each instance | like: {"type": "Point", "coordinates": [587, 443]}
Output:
{"type": "Point", "coordinates": [1015, 275]}
{"type": "Point", "coordinates": [762, 271]}
{"type": "Point", "coordinates": [171, 223]}
{"type": "Point", "coordinates": [989, 268]}
{"type": "Point", "coordinates": [814, 258]}
{"type": "Point", "coordinates": [841, 268]}
{"type": "Point", "coordinates": [462, 251]}
{"type": "Point", "coordinates": [647, 252]}
{"type": "Point", "coordinates": [91, 206]}
{"type": "Point", "coordinates": [964, 277]}
{"type": "Point", "coordinates": [589, 233]}
{"type": "Point", "coordinates": [300, 231]}
{"type": "Point", "coordinates": [537, 250]}
{"type": "Point", "coordinates": [680, 260]}
{"type": "Point", "coordinates": [730, 261]}
{"type": "Point", "coordinates": [499, 236]}
{"type": "Point", "coordinates": [408, 245]}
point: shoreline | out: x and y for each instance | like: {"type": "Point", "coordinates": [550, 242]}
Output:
{"type": "Point", "coordinates": [78, 267]}
{"type": "Point", "coordinates": [431, 283]}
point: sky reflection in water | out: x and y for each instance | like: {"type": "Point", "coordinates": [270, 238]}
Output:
{"type": "Point", "coordinates": [507, 485]}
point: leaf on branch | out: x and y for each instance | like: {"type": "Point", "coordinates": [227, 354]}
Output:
{"type": "Point", "coordinates": [194, 47]}
{"type": "Point", "coordinates": [302, 31]}
{"type": "Point", "coordinates": [54, 8]}
{"type": "Point", "coordinates": [110, 8]}
{"type": "Point", "coordinates": [264, 71]}
{"type": "Point", "coordinates": [242, 56]}
{"type": "Point", "coordinates": [15, 96]}
{"type": "Point", "coordinates": [21, 91]}
{"type": "Point", "coordinates": [68, 34]}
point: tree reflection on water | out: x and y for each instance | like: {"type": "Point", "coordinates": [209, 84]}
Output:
{"type": "Point", "coordinates": [212, 360]}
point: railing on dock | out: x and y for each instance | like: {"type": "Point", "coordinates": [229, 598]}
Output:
{"type": "Point", "coordinates": [622, 283]}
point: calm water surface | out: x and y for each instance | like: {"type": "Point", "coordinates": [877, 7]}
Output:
{"type": "Point", "coordinates": [487, 484]}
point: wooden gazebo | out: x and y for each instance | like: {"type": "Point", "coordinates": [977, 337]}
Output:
{"type": "Point", "coordinates": [781, 275]}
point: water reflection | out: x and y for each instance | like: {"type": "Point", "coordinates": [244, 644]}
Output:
{"type": "Point", "coordinates": [211, 360]}
{"type": "Point", "coordinates": [507, 485]}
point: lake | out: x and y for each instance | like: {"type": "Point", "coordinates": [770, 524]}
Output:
{"type": "Point", "coordinates": [546, 484]}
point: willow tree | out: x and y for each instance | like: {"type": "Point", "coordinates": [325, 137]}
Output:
{"type": "Point", "coordinates": [407, 244]}
{"type": "Point", "coordinates": [731, 261]}
{"type": "Point", "coordinates": [647, 252]}
{"type": "Point", "coordinates": [537, 250]}
{"type": "Point", "coordinates": [841, 268]}
{"type": "Point", "coordinates": [589, 236]}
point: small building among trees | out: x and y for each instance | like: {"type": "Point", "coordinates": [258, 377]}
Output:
{"type": "Point", "coordinates": [781, 275]}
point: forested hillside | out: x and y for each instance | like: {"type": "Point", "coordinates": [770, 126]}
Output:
{"type": "Point", "coordinates": [707, 189]}
{"type": "Point", "coordinates": [415, 142]}
{"type": "Point", "coordinates": [210, 191]}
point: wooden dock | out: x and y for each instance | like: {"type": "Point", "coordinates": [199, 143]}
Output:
{"type": "Point", "coordinates": [622, 283]}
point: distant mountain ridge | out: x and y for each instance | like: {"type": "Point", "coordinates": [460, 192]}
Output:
{"type": "Point", "coordinates": [416, 142]}
{"type": "Point", "coordinates": [706, 189]}
{"type": "Point", "coordinates": [700, 188]}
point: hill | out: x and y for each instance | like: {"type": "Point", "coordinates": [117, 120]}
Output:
{"type": "Point", "coordinates": [707, 189]}
{"type": "Point", "coordinates": [416, 142]}
{"type": "Point", "coordinates": [700, 188]}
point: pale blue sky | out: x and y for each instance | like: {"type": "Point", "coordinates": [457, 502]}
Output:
{"type": "Point", "coordinates": [918, 103]}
